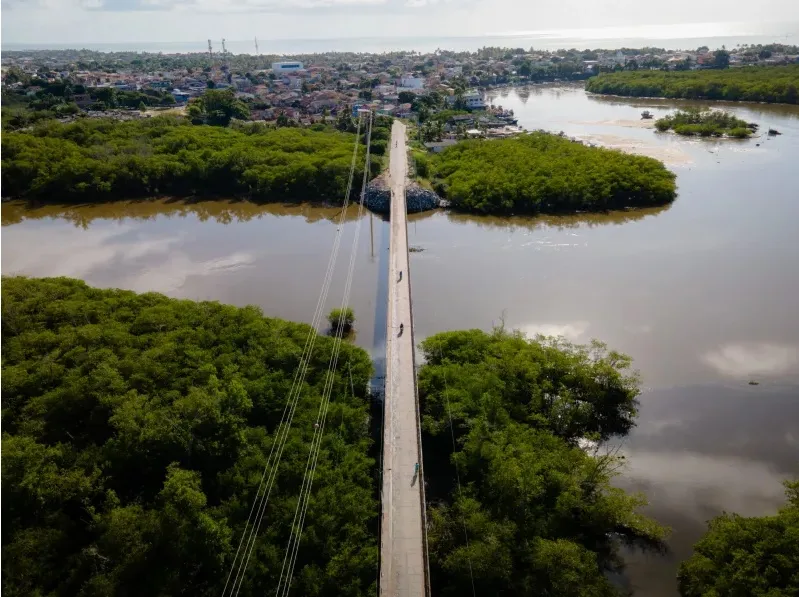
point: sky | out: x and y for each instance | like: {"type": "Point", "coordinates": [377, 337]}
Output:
{"type": "Point", "coordinates": [108, 21]}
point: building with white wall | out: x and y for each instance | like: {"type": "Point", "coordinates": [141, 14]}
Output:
{"type": "Point", "coordinates": [412, 82]}
{"type": "Point", "coordinates": [281, 68]}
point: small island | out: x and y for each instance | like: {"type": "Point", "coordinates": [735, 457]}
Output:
{"type": "Point", "coordinates": [546, 173]}
{"type": "Point", "coordinates": [341, 321]}
{"type": "Point", "coordinates": [706, 123]}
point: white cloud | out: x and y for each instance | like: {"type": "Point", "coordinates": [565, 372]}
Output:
{"type": "Point", "coordinates": [574, 330]}
{"type": "Point", "coordinates": [693, 483]}
{"type": "Point", "coordinates": [67, 251]}
{"type": "Point", "coordinates": [744, 359]}
{"type": "Point", "coordinates": [154, 263]}
{"type": "Point", "coordinates": [172, 274]}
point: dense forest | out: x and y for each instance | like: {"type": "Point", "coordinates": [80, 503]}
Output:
{"type": "Point", "coordinates": [101, 159]}
{"type": "Point", "coordinates": [747, 556]}
{"type": "Point", "coordinates": [705, 123]}
{"type": "Point", "coordinates": [135, 429]}
{"type": "Point", "coordinates": [519, 507]}
{"type": "Point", "coordinates": [771, 84]}
{"type": "Point", "coordinates": [546, 173]}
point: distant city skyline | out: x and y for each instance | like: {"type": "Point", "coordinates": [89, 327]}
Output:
{"type": "Point", "coordinates": [131, 22]}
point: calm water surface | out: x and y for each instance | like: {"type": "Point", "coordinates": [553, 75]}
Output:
{"type": "Point", "coordinates": [703, 294]}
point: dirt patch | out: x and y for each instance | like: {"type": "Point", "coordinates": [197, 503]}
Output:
{"type": "Point", "coordinates": [633, 124]}
{"type": "Point", "coordinates": [671, 156]}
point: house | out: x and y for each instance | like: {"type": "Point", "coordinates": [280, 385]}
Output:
{"type": "Point", "coordinates": [181, 97]}
{"type": "Point", "coordinates": [471, 100]}
{"type": "Point", "coordinates": [242, 83]}
{"type": "Point", "coordinates": [404, 111]}
{"type": "Point", "coordinates": [293, 82]}
{"type": "Point", "coordinates": [439, 146]}
{"type": "Point", "coordinates": [412, 82]}
{"type": "Point", "coordinates": [83, 100]}
{"type": "Point", "coordinates": [613, 59]}
{"type": "Point", "coordinates": [262, 114]}
{"type": "Point", "coordinates": [384, 90]}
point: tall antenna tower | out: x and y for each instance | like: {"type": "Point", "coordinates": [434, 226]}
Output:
{"type": "Point", "coordinates": [224, 50]}
{"type": "Point", "coordinates": [210, 52]}
{"type": "Point", "coordinates": [257, 53]}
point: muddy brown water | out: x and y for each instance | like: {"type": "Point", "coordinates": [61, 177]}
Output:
{"type": "Point", "coordinates": [703, 293]}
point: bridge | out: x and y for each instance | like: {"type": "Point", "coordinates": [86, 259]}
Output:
{"type": "Point", "coordinates": [404, 568]}
{"type": "Point", "coordinates": [403, 557]}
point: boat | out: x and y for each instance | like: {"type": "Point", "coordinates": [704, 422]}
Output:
{"type": "Point", "coordinates": [646, 115]}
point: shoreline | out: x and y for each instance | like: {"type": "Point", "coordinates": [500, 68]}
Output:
{"type": "Point", "coordinates": [685, 99]}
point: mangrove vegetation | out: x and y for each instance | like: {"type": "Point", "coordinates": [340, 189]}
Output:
{"type": "Point", "coordinates": [545, 173]}
{"type": "Point", "coordinates": [744, 556]}
{"type": "Point", "coordinates": [104, 159]}
{"type": "Point", "coordinates": [705, 123]}
{"type": "Point", "coordinates": [516, 504]}
{"type": "Point", "coordinates": [136, 429]}
{"type": "Point", "coordinates": [341, 320]}
{"type": "Point", "coordinates": [770, 84]}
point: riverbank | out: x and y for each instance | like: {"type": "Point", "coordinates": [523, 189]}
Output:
{"type": "Point", "coordinates": [768, 84]}
{"type": "Point", "coordinates": [662, 284]}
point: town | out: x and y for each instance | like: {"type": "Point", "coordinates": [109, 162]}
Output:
{"type": "Point", "coordinates": [310, 89]}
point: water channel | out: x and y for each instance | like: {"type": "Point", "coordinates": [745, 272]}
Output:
{"type": "Point", "coordinates": [704, 294]}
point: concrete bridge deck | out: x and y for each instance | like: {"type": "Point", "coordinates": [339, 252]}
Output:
{"type": "Point", "coordinates": [403, 560]}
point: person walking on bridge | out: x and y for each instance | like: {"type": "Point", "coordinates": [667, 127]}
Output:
{"type": "Point", "coordinates": [402, 327]}
{"type": "Point", "coordinates": [400, 277]}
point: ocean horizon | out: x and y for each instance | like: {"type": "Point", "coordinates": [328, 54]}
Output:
{"type": "Point", "coordinates": [670, 37]}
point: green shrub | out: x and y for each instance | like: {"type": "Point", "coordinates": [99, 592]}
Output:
{"type": "Point", "coordinates": [341, 320]}
{"type": "Point", "coordinates": [422, 164]}
{"type": "Point", "coordinates": [740, 132]}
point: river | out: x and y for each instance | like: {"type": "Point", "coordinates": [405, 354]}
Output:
{"type": "Point", "coordinates": [703, 293]}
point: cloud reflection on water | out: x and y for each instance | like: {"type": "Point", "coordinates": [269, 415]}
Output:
{"type": "Point", "coordinates": [742, 359]}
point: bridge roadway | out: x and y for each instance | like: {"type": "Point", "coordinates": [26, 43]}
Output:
{"type": "Point", "coordinates": [403, 560]}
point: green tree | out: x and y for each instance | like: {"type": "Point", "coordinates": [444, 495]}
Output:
{"type": "Point", "coordinates": [541, 172]}
{"type": "Point", "coordinates": [721, 59]}
{"type": "Point", "coordinates": [540, 513]}
{"type": "Point", "coordinates": [344, 121]}
{"type": "Point", "coordinates": [406, 97]}
{"type": "Point", "coordinates": [106, 95]}
{"type": "Point", "coordinates": [341, 320]}
{"type": "Point", "coordinates": [136, 429]}
{"type": "Point", "coordinates": [218, 107]}
{"type": "Point", "coordinates": [98, 159]}
{"type": "Point", "coordinates": [746, 556]}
